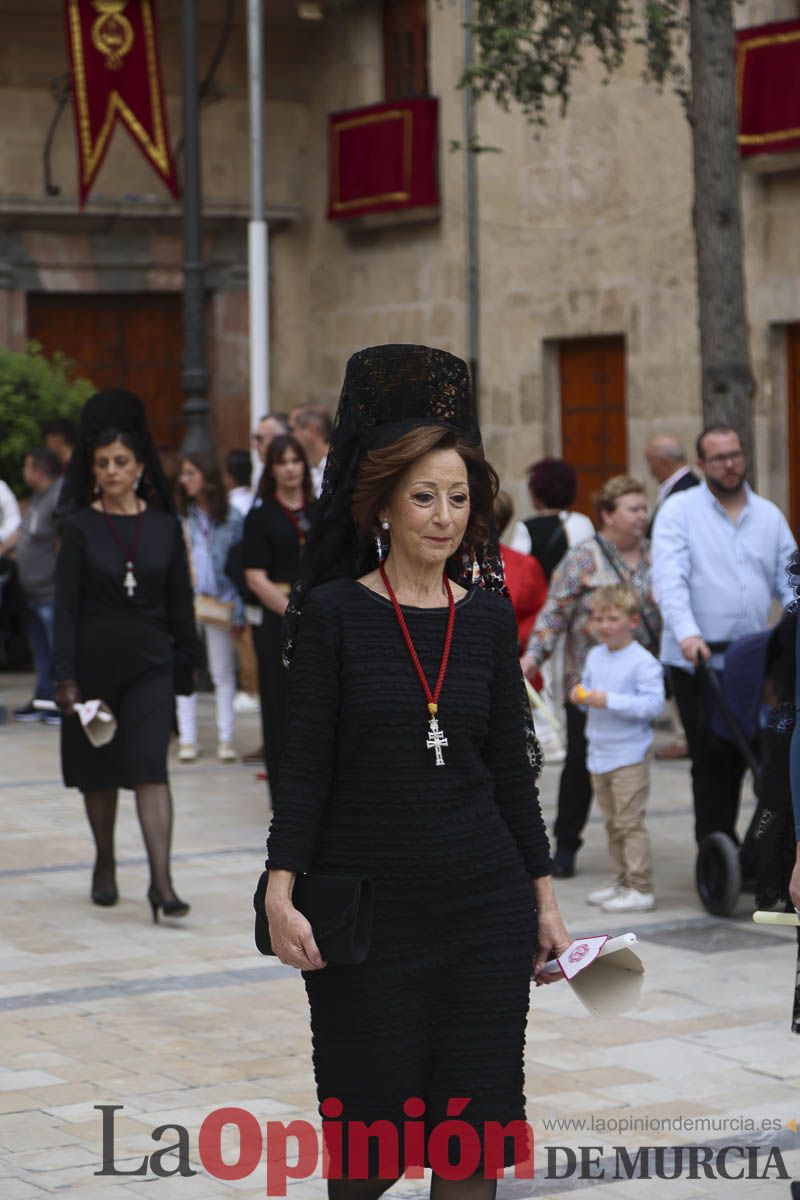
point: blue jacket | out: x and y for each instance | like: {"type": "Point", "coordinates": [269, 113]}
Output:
{"type": "Point", "coordinates": [223, 536]}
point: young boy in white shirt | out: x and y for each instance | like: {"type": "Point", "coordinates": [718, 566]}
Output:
{"type": "Point", "coordinates": [623, 689]}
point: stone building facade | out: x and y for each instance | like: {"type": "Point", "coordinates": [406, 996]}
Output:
{"type": "Point", "coordinates": [588, 325]}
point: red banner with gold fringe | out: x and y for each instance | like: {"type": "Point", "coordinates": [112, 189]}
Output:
{"type": "Point", "coordinates": [768, 87]}
{"type": "Point", "coordinates": [116, 75]}
{"type": "Point", "coordinates": [383, 158]}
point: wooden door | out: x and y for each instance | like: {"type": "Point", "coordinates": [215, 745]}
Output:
{"type": "Point", "coordinates": [594, 434]}
{"type": "Point", "coordinates": [132, 341]}
{"type": "Point", "coordinates": [793, 379]}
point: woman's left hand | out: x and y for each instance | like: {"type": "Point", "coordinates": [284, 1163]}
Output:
{"type": "Point", "coordinates": [553, 937]}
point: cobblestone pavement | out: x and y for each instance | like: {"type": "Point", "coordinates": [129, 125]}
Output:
{"type": "Point", "coordinates": [170, 1022]}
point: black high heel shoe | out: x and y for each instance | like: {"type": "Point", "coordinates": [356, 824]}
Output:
{"type": "Point", "coordinates": [170, 908]}
{"type": "Point", "coordinates": [106, 897]}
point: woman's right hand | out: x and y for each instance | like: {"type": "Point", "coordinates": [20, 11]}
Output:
{"type": "Point", "coordinates": [529, 666]}
{"type": "Point", "coordinates": [794, 882]}
{"type": "Point", "coordinates": [292, 938]}
{"type": "Point", "coordinates": [66, 695]}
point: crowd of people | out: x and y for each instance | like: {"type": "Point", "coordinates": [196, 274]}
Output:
{"type": "Point", "coordinates": [681, 582]}
{"type": "Point", "coordinates": [705, 571]}
{"type": "Point", "coordinates": [366, 551]}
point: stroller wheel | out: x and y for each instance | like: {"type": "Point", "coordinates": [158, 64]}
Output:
{"type": "Point", "coordinates": [718, 874]}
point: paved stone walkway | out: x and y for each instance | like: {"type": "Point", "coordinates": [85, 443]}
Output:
{"type": "Point", "coordinates": [170, 1022]}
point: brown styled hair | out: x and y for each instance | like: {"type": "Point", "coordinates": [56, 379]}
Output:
{"type": "Point", "coordinates": [275, 452]}
{"type": "Point", "coordinates": [213, 487]}
{"type": "Point", "coordinates": [605, 501]}
{"type": "Point", "coordinates": [381, 470]}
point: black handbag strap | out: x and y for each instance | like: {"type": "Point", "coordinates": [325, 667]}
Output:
{"type": "Point", "coordinates": [624, 578]}
{"type": "Point", "coordinates": [552, 541]}
{"type": "Point", "coordinates": [542, 553]}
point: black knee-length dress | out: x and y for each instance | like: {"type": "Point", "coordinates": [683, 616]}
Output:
{"type": "Point", "coordinates": [125, 650]}
{"type": "Point", "coordinates": [439, 1007]}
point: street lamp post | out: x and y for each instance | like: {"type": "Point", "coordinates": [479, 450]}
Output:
{"type": "Point", "coordinates": [194, 376]}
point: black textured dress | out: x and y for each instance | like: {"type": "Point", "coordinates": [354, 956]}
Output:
{"type": "Point", "coordinates": [272, 544]}
{"type": "Point", "coordinates": [439, 1007]}
{"type": "Point", "coordinates": [128, 651]}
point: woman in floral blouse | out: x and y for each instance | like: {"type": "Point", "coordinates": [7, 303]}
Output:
{"type": "Point", "coordinates": [619, 552]}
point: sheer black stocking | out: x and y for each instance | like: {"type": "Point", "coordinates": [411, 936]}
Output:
{"type": "Point", "coordinates": [101, 809]}
{"type": "Point", "coordinates": [358, 1189]}
{"type": "Point", "coordinates": [474, 1188]}
{"type": "Point", "coordinates": [154, 806]}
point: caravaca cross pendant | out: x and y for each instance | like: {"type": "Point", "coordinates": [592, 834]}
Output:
{"type": "Point", "coordinates": [436, 736]}
{"type": "Point", "coordinates": [129, 582]}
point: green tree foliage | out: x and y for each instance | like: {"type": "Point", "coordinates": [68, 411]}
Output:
{"type": "Point", "coordinates": [527, 51]}
{"type": "Point", "coordinates": [33, 389]}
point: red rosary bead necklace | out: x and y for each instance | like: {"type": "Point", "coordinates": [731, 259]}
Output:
{"type": "Point", "coordinates": [436, 736]}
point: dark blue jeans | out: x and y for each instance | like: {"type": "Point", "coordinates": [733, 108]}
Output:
{"type": "Point", "coordinates": [39, 628]}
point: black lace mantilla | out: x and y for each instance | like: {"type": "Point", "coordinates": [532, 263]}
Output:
{"type": "Point", "coordinates": [387, 391]}
{"type": "Point", "coordinates": [394, 386]}
{"type": "Point", "coordinates": [125, 412]}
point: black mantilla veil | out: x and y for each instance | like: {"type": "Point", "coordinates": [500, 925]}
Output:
{"type": "Point", "coordinates": [388, 391]}
{"type": "Point", "coordinates": [125, 412]}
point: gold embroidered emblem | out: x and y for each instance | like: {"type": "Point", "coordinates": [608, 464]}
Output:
{"type": "Point", "coordinates": [112, 32]}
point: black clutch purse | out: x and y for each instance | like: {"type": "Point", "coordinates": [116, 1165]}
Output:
{"type": "Point", "coordinates": [338, 908]}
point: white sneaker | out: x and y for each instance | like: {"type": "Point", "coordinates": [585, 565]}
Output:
{"type": "Point", "coordinates": [244, 703]}
{"type": "Point", "coordinates": [226, 752]}
{"type": "Point", "coordinates": [629, 900]}
{"type": "Point", "coordinates": [607, 892]}
{"type": "Point", "coordinates": [187, 752]}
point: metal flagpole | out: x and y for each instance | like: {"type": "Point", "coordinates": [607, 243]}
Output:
{"type": "Point", "coordinates": [257, 232]}
{"type": "Point", "coordinates": [194, 377]}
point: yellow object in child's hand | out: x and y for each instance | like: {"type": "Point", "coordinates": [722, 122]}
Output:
{"type": "Point", "coordinates": [580, 693]}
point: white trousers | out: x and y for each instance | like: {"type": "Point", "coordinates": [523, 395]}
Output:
{"type": "Point", "coordinates": [220, 648]}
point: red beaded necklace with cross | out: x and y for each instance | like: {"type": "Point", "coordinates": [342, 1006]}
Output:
{"type": "Point", "coordinates": [436, 737]}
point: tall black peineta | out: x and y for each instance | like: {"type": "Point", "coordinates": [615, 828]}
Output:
{"type": "Point", "coordinates": [387, 391]}
{"type": "Point", "coordinates": [115, 409]}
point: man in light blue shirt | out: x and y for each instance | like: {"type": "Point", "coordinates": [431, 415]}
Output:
{"type": "Point", "coordinates": [720, 557]}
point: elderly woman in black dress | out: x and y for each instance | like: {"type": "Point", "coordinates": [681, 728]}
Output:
{"type": "Point", "coordinates": [124, 633]}
{"type": "Point", "coordinates": [410, 759]}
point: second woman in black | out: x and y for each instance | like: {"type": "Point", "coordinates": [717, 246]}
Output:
{"type": "Point", "coordinates": [124, 633]}
{"type": "Point", "coordinates": [274, 535]}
